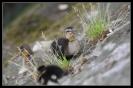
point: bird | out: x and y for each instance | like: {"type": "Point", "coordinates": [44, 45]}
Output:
{"type": "Point", "coordinates": [67, 46]}
{"type": "Point", "coordinates": [49, 73]}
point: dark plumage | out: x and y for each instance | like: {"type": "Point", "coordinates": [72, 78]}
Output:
{"type": "Point", "coordinates": [69, 29]}
{"type": "Point", "coordinates": [47, 73]}
{"type": "Point", "coordinates": [59, 48]}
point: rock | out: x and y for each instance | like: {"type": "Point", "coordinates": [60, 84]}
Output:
{"type": "Point", "coordinates": [41, 45]}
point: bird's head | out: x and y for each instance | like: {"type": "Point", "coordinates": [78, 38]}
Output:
{"type": "Point", "coordinates": [70, 33]}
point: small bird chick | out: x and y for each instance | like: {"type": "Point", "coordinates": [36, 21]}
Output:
{"type": "Point", "coordinates": [67, 46]}
{"type": "Point", "coordinates": [49, 73]}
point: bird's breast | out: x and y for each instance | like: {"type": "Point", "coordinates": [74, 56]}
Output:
{"type": "Point", "coordinates": [73, 48]}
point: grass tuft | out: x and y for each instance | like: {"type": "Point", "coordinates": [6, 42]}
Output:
{"type": "Point", "coordinates": [64, 64]}
{"type": "Point", "coordinates": [95, 28]}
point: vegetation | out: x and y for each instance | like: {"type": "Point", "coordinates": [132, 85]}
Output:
{"type": "Point", "coordinates": [96, 28]}
{"type": "Point", "coordinates": [96, 25]}
{"type": "Point", "coordinates": [64, 64]}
